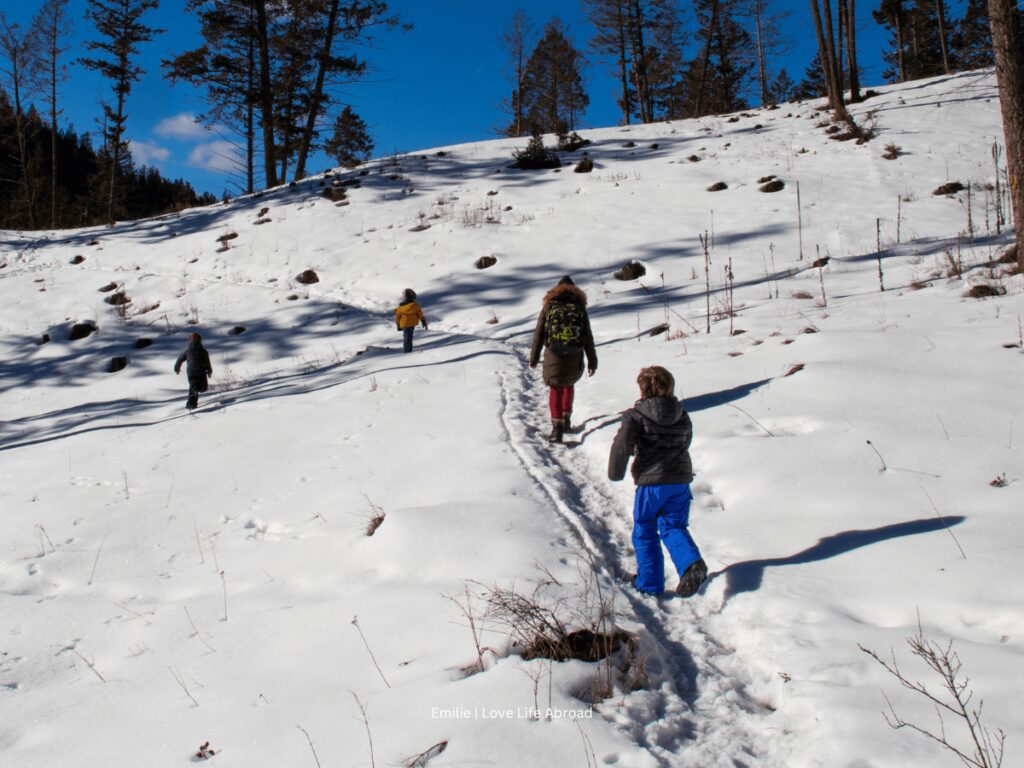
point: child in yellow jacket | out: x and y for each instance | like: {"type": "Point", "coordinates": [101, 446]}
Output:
{"type": "Point", "coordinates": [407, 316]}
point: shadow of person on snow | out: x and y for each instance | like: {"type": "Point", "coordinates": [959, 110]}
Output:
{"type": "Point", "coordinates": [747, 576]}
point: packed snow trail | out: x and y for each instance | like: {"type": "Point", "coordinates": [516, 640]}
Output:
{"type": "Point", "coordinates": [699, 712]}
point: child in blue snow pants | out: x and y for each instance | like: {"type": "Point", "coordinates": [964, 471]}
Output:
{"type": "Point", "coordinates": [656, 434]}
{"type": "Point", "coordinates": [661, 513]}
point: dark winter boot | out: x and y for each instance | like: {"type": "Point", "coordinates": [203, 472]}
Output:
{"type": "Point", "coordinates": [566, 423]}
{"type": "Point", "coordinates": [557, 431]}
{"type": "Point", "coordinates": [692, 579]}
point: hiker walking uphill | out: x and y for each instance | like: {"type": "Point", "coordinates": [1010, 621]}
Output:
{"type": "Point", "coordinates": [563, 330]}
{"type": "Point", "coordinates": [656, 433]}
{"type": "Point", "coordinates": [407, 316]}
{"type": "Point", "coordinates": [197, 370]}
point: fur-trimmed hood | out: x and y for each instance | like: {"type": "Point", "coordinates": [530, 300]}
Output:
{"type": "Point", "coordinates": [566, 292]}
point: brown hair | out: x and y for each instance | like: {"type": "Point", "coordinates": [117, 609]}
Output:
{"type": "Point", "coordinates": [194, 338]}
{"type": "Point", "coordinates": [655, 381]}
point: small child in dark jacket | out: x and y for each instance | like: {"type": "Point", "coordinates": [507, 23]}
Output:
{"type": "Point", "coordinates": [407, 316]}
{"type": "Point", "coordinates": [656, 433]}
{"type": "Point", "coordinates": [197, 370]}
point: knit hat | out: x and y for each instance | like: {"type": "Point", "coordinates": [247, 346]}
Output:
{"type": "Point", "coordinates": [566, 280]}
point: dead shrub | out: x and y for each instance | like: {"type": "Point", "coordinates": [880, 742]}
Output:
{"type": "Point", "coordinates": [143, 343]}
{"type": "Point", "coordinates": [226, 237]}
{"type": "Point", "coordinates": [718, 186]}
{"type": "Point", "coordinates": [82, 330]}
{"type": "Point", "coordinates": [801, 295]}
{"type": "Point", "coordinates": [374, 517]}
{"type": "Point", "coordinates": [484, 262]}
{"type": "Point", "coordinates": [949, 188]}
{"type": "Point", "coordinates": [237, 330]}
{"type": "Point", "coordinates": [1009, 256]}
{"type": "Point", "coordinates": [766, 179]}
{"type": "Point", "coordinates": [984, 291]}
{"type": "Point", "coordinates": [773, 186]}
{"type": "Point", "coordinates": [892, 151]}
{"type": "Point", "coordinates": [118, 363]}
{"type": "Point", "coordinates": [109, 287]}
{"type": "Point", "coordinates": [307, 277]}
{"type": "Point", "coordinates": [631, 271]}
{"type": "Point", "coordinates": [586, 165]}
{"type": "Point", "coordinates": [118, 299]}
{"type": "Point", "coordinates": [78, 259]}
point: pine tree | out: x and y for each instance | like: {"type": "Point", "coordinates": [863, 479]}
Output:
{"type": "Point", "coordinates": [339, 23]}
{"type": "Point", "coordinates": [813, 84]}
{"type": "Point", "coordinates": [720, 76]}
{"type": "Point", "coordinates": [610, 19]}
{"type": "Point", "coordinates": [891, 14]}
{"type": "Point", "coordinates": [121, 30]}
{"type": "Point", "coordinates": [917, 47]}
{"type": "Point", "coordinates": [350, 143]}
{"type": "Point", "coordinates": [226, 67]}
{"type": "Point", "coordinates": [552, 96]}
{"type": "Point", "coordinates": [82, 188]}
{"type": "Point", "coordinates": [972, 40]}
{"type": "Point", "coordinates": [782, 88]}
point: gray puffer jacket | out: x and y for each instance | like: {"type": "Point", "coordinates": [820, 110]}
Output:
{"type": "Point", "coordinates": [656, 432]}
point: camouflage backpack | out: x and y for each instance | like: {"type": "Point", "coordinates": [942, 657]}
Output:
{"type": "Point", "coordinates": [564, 327]}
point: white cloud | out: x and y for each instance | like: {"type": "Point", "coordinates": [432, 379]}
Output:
{"type": "Point", "coordinates": [147, 153]}
{"type": "Point", "coordinates": [182, 127]}
{"type": "Point", "coordinates": [216, 156]}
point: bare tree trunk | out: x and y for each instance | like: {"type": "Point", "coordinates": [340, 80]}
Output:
{"type": "Point", "coordinates": [316, 97]}
{"type": "Point", "coordinates": [901, 45]}
{"type": "Point", "coordinates": [702, 80]}
{"type": "Point", "coordinates": [623, 69]}
{"type": "Point", "coordinates": [640, 73]}
{"type": "Point", "coordinates": [266, 96]}
{"type": "Point", "coordinates": [851, 50]}
{"type": "Point", "coordinates": [250, 113]}
{"type": "Point", "coordinates": [54, 52]}
{"type": "Point", "coordinates": [940, 12]}
{"type": "Point", "coordinates": [826, 61]}
{"type": "Point", "coordinates": [840, 34]}
{"type": "Point", "coordinates": [762, 67]}
{"type": "Point", "coordinates": [839, 103]}
{"type": "Point", "coordinates": [1008, 46]}
{"type": "Point", "coordinates": [15, 47]}
{"type": "Point", "coordinates": [115, 154]}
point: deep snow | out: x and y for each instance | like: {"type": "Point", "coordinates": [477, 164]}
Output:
{"type": "Point", "coordinates": [169, 579]}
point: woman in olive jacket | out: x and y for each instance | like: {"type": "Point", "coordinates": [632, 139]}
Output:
{"type": "Point", "coordinates": [563, 331]}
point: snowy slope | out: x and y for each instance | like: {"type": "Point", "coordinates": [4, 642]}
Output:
{"type": "Point", "coordinates": [168, 580]}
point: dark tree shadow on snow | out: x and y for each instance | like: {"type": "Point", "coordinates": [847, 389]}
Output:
{"type": "Point", "coordinates": [747, 576]}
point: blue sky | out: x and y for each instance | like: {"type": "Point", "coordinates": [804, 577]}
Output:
{"type": "Point", "coordinates": [439, 84]}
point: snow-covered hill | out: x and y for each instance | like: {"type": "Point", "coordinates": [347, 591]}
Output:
{"type": "Point", "coordinates": [168, 579]}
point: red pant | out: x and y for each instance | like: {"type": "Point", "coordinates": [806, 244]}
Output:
{"type": "Point", "coordinates": [560, 400]}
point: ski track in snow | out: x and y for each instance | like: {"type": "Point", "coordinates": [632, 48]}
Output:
{"type": "Point", "coordinates": [700, 711]}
